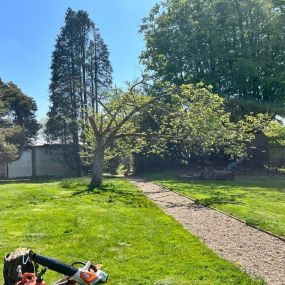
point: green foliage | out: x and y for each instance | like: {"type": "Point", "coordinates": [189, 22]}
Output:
{"type": "Point", "coordinates": [21, 110]}
{"type": "Point", "coordinates": [240, 106]}
{"type": "Point", "coordinates": [201, 124]}
{"type": "Point", "coordinates": [115, 128]}
{"type": "Point", "coordinates": [235, 45]}
{"type": "Point", "coordinates": [115, 225]}
{"type": "Point", "coordinates": [8, 151]}
{"type": "Point", "coordinates": [10, 134]}
{"type": "Point", "coordinates": [191, 118]}
{"type": "Point", "coordinates": [275, 131]}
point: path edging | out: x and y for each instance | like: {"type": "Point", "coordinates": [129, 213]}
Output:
{"type": "Point", "coordinates": [209, 207]}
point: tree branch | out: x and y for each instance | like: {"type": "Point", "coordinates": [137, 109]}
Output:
{"type": "Point", "coordinates": [134, 85]}
{"type": "Point", "coordinates": [94, 126]}
{"type": "Point", "coordinates": [128, 116]}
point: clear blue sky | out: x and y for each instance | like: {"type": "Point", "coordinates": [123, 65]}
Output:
{"type": "Point", "coordinates": [28, 29]}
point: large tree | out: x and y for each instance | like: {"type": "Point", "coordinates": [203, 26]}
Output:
{"type": "Point", "coordinates": [205, 128]}
{"type": "Point", "coordinates": [235, 45]}
{"type": "Point", "coordinates": [81, 72]}
{"type": "Point", "coordinates": [21, 110]}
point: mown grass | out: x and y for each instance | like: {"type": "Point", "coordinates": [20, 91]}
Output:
{"type": "Point", "coordinates": [114, 225]}
{"type": "Point", "coordinates": [258, 200]}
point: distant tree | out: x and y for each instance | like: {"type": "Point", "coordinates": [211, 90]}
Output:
{"type": "Point", "coordinates": [235, 45]}
{"type": "Point", "coordinates": [10, 135]}
{"type": "Point", "coordinates": [80, 67]}
{"type": "Point", "coordinates": [21, 110]}
{"type": "Point", "coordinates": [275, 132]}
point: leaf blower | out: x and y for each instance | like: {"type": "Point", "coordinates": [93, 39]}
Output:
{"type": "Point", "coordinates": [21, 268]}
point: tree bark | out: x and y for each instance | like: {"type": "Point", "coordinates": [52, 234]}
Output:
{"type": "Point", "coordinates": [97, 169]}
{"type": "Point", "coordinates": [74, 126]}
{"type": "Point", "coordinates": [96, 73]}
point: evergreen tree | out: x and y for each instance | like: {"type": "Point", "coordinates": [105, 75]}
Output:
{"type": "Point", "coordinates": [81, 71]}
{"type": "Point", "coordinates": [100, 69]}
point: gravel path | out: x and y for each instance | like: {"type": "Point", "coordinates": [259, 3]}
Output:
{"type": "Point", "coordinates": [258, 253]}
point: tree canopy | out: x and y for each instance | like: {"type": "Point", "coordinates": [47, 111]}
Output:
{"type": "Point", "coordinates": [18, 123]}
{"type": "Point", "coordinates": [206, 126]}
{"type": "Point", "coordinates": [22, 111]}
{"type": "Point", "coordinates": [235, 45]}
{"type": "Point", "coordinates": [9, 136]}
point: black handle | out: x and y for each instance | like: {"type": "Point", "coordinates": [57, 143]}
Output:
{"type": "Point", "coordinates": [54, 264]}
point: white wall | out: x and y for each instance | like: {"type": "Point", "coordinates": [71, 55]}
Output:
{"type": "Point", "coordinates": [49, 162]}
{"type": "Point", "coordinates": [21, 167]}
{"type": "Point", "coordinates": [3, 171]}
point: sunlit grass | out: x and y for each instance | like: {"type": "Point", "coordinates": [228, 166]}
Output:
{"type": "Point", "coordinates": [258, 200]}
{"type": "Point", "coordinates": [114, 225]}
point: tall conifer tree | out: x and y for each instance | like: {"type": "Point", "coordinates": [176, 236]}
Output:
{"type": "Point", "coordinates": [81, 71]}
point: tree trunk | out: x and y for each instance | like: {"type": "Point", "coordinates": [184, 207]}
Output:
{"type": "Point", "coordinates": [96, 73]}
{"type": "Point", "coordinates": [74, 115]}
{"type": "Point", "coordinates": [97, 169]}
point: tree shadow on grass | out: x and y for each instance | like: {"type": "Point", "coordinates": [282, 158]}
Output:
{"type": "Point", "coordinates": [49, 179]}
{"type": "Point", "coordinates": [103, 189]}
{"type": "Point", "coordinates": [219, 199]}
{"type": "Point", "coordinates": [246, 183]}
{"type": "Point", "coordinates": [214, 193]}
{"type": "Point", "coordinates": [112, 195]}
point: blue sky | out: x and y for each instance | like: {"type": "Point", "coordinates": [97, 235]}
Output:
{"type": "Point", "coordinates": [28, 29]}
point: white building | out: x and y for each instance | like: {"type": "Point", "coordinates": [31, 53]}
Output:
{"type": "Point", "coordinates": [39, 161]}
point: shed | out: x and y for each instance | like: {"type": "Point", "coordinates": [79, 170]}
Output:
{"type": "Point", "coordinates": [39, 161]}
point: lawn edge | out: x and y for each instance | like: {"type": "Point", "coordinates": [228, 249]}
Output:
{"type": "Point", "coordinates": [222, 212]}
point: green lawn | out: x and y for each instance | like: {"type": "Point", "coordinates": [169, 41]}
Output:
{"type": "Point", "coordinates": [258, 200]}
{"type": "Point", "coordinates": [116, 225]}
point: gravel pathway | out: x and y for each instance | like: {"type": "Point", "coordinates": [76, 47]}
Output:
{"type": "Point", "coordinates": [258, 253]}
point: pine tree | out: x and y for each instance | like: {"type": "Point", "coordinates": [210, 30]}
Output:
{"type": "Point", "coordinates": [81, 71]}
{"type": "Point", "coordinates": [100, 78]}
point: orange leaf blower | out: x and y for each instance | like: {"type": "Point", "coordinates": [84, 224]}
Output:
{"type": "Point", "coordinates": [86, 275]}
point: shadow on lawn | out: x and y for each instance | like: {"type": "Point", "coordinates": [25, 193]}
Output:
{"type": "Point", "coordinates": [48, 179]}
{"type": "Point", "coordinates": [219, 199]}
{"type": "Point", "coordinates": [220, 192]}
{"type": "Point", "coordinates": [262, 181]}
{"type": "Point", "coordinates": [110, 191]}
{"type": "Point", "coordinates": [128, 198]}
{"type": "Point", "coordinates": [103, 189]}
